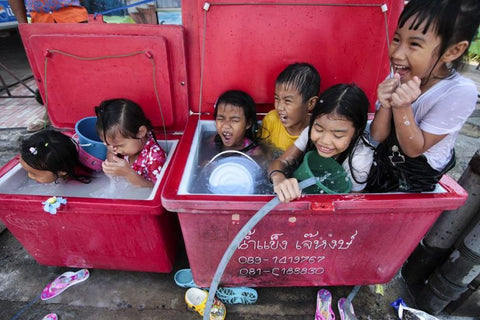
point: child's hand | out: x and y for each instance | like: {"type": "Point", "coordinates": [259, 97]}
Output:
{"type": "Point", "coordinates": [287, 190]}
{"type": "Point", "coordinates": [386, 89]}
{"type": "Point", "coordinates": [406, 93]}
{"type": "Point", "coordinates": [116, 167]}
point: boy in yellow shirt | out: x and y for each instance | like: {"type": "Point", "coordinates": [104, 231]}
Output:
{"type": "Point", "coordinates": [296, 92]}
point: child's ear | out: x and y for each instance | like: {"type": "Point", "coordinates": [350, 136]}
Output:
{"type": "Point", "coordinates": [142, 132]}
{"type": "Point", "coordinates": [311, 103]}
{"type": "Point", "coordinates": [455, 51]}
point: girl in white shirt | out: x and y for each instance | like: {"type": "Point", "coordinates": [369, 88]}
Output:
{"type": "Point", "coordinates": [424, 103]}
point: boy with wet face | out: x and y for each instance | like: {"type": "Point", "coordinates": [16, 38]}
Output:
{"type": "Point", "coordinates": [296, 92]}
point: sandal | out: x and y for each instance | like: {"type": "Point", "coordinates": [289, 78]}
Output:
{"type": "Point", "coordinates": [237, 295]}
{"type": "Point", "coordinates": [50, 316]}
{"type": "Point", "coordinates": [196, 300]}
{"type": "Point", "coordinates": [324, 306]}
{"type": "Point", "coordinates": [63, 282]}
{"type": "Point", "coordinates": [38, 125]}
{"type": "Point", "coordinates": [183, 278]}
{"type": "Point", "coordinates": [346, 310]}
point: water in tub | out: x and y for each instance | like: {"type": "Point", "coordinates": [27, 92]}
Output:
{"type": "Point", "coordinates": [229, 172]}
{"type": "Point", "coordinates": [16, 181]}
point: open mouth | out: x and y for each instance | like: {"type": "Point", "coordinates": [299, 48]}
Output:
{"type": "Point", "coordinates": [226, 136]}
{"type": "Point", "coordinates": [400, 69]}
{"type": "Point", "coordinates": [325, 150]}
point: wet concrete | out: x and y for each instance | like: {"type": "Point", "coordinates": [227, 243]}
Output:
{"type": "Point", "coordinates": [137, 295]}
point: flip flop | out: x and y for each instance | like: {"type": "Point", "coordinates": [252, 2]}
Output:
{"type": "Point", "coordinates": [346, 310]}
{"type": "Point", "coordinates": [196, 300]}
{"type": "Point", "coordinates": [237, 295]}
{"type": "Point", "coordinates": [184, 278]}
{"type": "Point", "coordinates": [324, 306]}
{"type": "Point", "coordinates": [63, 282]}
{"type": "Point", "coordinates": [50, 316]}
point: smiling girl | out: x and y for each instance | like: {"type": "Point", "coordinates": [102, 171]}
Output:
{"type": "Point", "coordinates": [336, 131]}
{"type": "Point", "coordinates": [423, 105]}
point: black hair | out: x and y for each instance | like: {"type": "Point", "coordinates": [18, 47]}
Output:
{"type": "Point", "coordinates": [50, 150]}
{"type": "Point", "coordinates": [121, 116]}
{"type": "Point", "coordinates": [303, 77]}
{"type": "Point", "coordinates": [245, 102]}
{"type": "Point", "coordinates": [350, 102]}
{"type": "Point", "coordinates": [452, 20]}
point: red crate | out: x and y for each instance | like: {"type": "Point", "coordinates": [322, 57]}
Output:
{"type": "Point", "coordinates": [77, 66]}
{"type": "Point", "coordinates": [318, 240]}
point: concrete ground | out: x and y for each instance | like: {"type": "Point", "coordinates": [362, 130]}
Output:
{"type": "Point", "coordinates": [111, 294]}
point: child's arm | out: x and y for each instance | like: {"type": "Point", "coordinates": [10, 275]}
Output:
{"type": "Point", "coordinates": [286, 189]}
{"type": "Point", "coordinates": [19, 10]}
{"type": "Point", "coordinates": [120, 167]}
{"type": "Point", "coordinates": [380, 126]}
{"type": "Point", "coordinates": [413, 141]}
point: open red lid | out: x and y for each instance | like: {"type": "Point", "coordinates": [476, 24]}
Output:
{"type": "Point", "coordinates": [245, 45]}
{"type": "Point", "coordinates": [77, 66]}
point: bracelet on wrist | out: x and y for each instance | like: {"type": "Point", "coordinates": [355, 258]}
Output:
{"type": "Point", "coordinates": [275, 171]}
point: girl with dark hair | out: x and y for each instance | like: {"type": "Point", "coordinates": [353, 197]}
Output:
{"type": "Point", "coordinates": [424, 103]}
{"type": "Point", "coordinates": [49, 155]}
{"type": "Point", "coordinates": [133, 151]}
{"type": "Point", "coordinates": [336, 131]}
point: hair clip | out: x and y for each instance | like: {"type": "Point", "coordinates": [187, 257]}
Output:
{"type": "Point", "coordinates": [33, 151]}
{"type": "Point", "coordinates": [321, 100]}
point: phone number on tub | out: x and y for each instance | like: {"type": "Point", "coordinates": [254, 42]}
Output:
{"type": "Point", "coordinates": [281, 260]}
{"type": "Point", "coordinates": [279, 271]}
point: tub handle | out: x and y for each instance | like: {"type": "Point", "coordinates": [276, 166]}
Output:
{"type": "Point", "coordinates": [232, 151]}
{"type": "Point", "coordinates": [75, 137]}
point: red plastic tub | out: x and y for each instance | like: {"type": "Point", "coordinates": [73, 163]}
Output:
{"type": "Point", "coordinates": [77, 66]}
{"type": "Point", "coordinates": [318, 240]}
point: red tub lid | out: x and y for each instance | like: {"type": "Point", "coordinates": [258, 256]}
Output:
{"type": "Point", "coordinates": [79, 65]}
{"type": "Point", "coordinates": [246, 45]}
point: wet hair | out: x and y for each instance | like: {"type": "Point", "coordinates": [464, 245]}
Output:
{"type": "Point", "coordinates": [300, 76]}
{"type": "Point", "coordinates": [347, 101]}
{"type": "Point", "coordinates": [452, 20]}
{"type": "Point", "coordinates": [245, 102]}
{"type": "Point", "coordinates": [121, 116]}
{"type": "Point", "coordinates": [50, 150]}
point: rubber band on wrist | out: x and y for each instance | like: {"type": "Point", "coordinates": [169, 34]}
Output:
{"type": "Point", "coordinates": [275, 171]}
